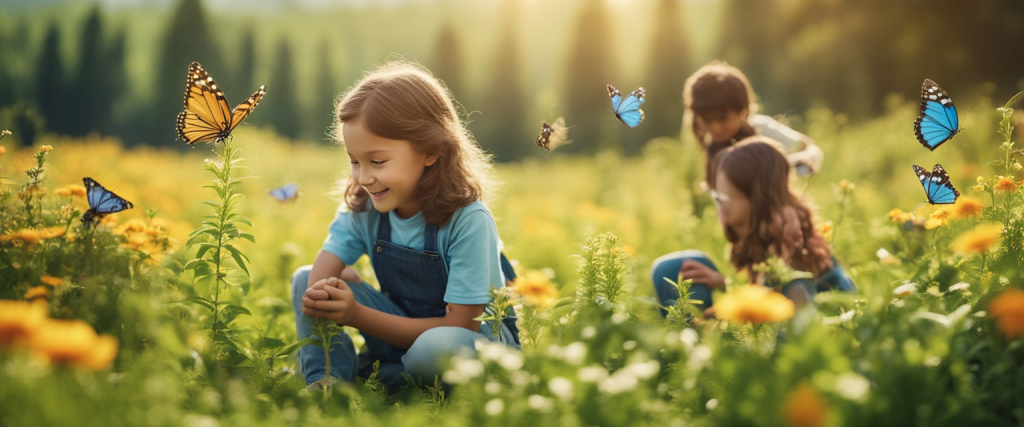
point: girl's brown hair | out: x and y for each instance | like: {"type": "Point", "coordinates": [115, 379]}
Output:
{"type": "Point", "coordinates": [717, 88]}
{"type": "Point", "coordinates": [400, 100]}
{"type": "Point", "coordinates": [757, 167]}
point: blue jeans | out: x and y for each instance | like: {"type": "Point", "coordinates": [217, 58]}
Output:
{"type": "Point", "coordinates": [667, 266]}
{"type": "Point", "coordinates": [424, 359]}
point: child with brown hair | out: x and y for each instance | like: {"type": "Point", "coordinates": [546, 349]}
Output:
{"type": "Point", "coordinates": [751, 190]}
{"type": "Point", "coordinates": [412, 203]}
{"type": "Point", "coordinates": [721, 109]}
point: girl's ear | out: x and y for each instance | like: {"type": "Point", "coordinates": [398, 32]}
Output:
{"type": "Point", "coordinates": [430, 160]}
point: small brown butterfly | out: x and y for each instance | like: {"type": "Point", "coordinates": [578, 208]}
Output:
{"type": "Point", "coordinates": [553, 136]}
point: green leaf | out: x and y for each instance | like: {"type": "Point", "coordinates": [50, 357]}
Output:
{"type": "Point", "coordinates": [269, 342]}
{"type": "Point", "coordinates": [247, 236]}
{"type": "Point", "coordinates": [203, 248]}
{"type": "Point", "coordinates": [239, 258]}
{"type": "Point", "coordinates": [296, 345]}
{"type": "Point", "coordinates": [237, 309]}
{"type": "Point", "coordinates": [201, 301]}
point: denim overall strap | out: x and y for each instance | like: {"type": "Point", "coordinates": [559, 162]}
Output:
{"type": "Point", "coordinates": [414, 280]}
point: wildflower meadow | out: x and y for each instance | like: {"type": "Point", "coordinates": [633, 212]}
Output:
{"type": "Point", "coordinates": [177, 312]}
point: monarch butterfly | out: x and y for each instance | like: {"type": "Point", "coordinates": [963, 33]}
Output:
{"type": "Point", "coordinates": [553, 136]}
{"type": "Point", "coordinates": [102, 202]}
{"type": "Point", "coordinates": [627, 110]}
{"type": "Point", "coordinates": [939, 120]}
{"type": "Point", "coordinates": [207, 116]}
{"type": "Point", "coordinates": [286, 193]}
{"type": "Point", "coordinates": [936, 185]}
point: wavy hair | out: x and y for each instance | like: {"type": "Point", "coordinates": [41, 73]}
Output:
{"type": "Point", "coordinates": [717, 88]}
{"type": "Point", "coordinates": [403, 101]}
{"type": "Point", "coordinates": [757, 167]}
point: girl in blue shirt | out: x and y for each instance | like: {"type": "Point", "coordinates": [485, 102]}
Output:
{"type": "Point", "coordinates": [412, 203]}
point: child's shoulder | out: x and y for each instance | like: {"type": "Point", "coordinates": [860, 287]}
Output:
{"type": "Point", "coordinates": [472, 214]}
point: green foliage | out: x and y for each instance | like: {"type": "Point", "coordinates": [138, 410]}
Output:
{"type": "Point", "coordinates": [219, 263]}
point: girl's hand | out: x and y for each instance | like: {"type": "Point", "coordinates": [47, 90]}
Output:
{"type": "Point", "coordinates": [700, 273]}
{"type": "Point", "coordinates": [331, 299]}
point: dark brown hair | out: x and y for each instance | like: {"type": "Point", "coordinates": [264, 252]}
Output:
{"type": "Point", "coordinates": [757, 167]}
{"type": "Point", "coordinates": [402, 101]}
{"type": "Point", "coordinates": [714, 89]}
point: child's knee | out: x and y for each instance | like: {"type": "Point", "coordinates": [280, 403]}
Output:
{"type": "Point", "coordinates": [300, 281]}
{"type": "Point", "coordinates": [435, 346]}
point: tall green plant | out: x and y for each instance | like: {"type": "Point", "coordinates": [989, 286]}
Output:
{"type": "Point", "coordinates": [218, 261]}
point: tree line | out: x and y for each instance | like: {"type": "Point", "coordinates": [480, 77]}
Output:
{"type": "Point", "coordinates": [847, 55]}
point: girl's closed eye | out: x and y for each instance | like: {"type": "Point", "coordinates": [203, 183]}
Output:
{"type": "Point", "coordinates": [378, 162]}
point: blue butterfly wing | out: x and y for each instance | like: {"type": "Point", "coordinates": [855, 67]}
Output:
{"type": "Point", "coordinates": [101, 201]}
{"type": "Point", "coordinates": [939, 120]}
{"type": "Point", "coordinates": [285, 193]}
{"type": "Point", "coordinates": [628, 109]}
{"type": "Point", "coordinates": [937, 185]}
{"type": "Point", "coordinates": [616, 97]}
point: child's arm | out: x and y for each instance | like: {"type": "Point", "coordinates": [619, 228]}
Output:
{"type": "Point", "coordinates": [325, 266]}
{"type": "Point", "coordinates": [333, 300]}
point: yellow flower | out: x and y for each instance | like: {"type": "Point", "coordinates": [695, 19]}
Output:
{"type": "Point", "coordinates": [804, 407]}
{"type": "Point", "coordinates": [847, 186]}
{"type": "Point", "coordinates": [73, 190]}
{"type": "Point", "coordinates": [1005, 184]}
{"type": "Point", "coordinates": [18, 319]}
{"type": "Point", "coordinates": [967, 207]}
{"type": "Point", "coordinates": [825, 230]}
{"type": "Point", "coordinates": [755, 304]}
{"type": "Point", "coordinates": [535, 288]}
{"type": "Point", "coordinates": [980, 180]}
{"type": "Point", "coordinates": [32, 235]}
{"type": "Point", "coordinates": [938, 218]}
{"type": "Point", "coordinates": [38, 292]}
{"type": "Point", "coordinates": [1008, 310]}
{"type": "Point", "coordinates": [978, 240]}
{"type": "Point", "coordinates": [74, 343]}
{"type": "Point", "coordinates": [896, 215]}
{"type": "Point", "coordinates": [52, 281]}
{"type": "Point", "coordinates": [148, 240]}
{"type": "Point", "coordinates": [978, 188]}
{"type": "Point", "coordinates": [45, 148]}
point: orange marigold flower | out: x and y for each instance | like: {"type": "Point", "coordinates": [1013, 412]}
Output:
{"type": "Point", "coordinates": [74, 343]}
{"type": "Point", "coordinates": [33, 235]}
{"type": "Point", "coordinates": [1008, 310]}
{"type": "Point", "coordinates": [52, 281]}
{"type": "Point", "coordinates": [73, 190]}
{"type": "Point", "coordinates": [535, 288]}
{"type": "Point", "coordinates": [754, 304]}
{"type": "Point", "coordinates": [18, 319]}
{"type": "Point", "coordinates": [978, 240]}
{"type": "Point", "coordinates": [804, 407]}
{"type": "Point", "coordinates": [1005, 184]}
{"type": "Point", "coordinates": [38, 292]}
{"type": "Point", "coordinates": [967, 207]}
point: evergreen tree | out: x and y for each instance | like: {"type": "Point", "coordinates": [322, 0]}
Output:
{"type": "Point", "coordinates": [113, 83]}
{"type": "Point", "coordinates": [446, 63]}
{"type": "Point", "coordinates": [587, 66]}
{"type": "Point", "coordinates": [187, 39]}
{"type": "Point", "coordinates": [669, 66]}
{"type": "Point", "coordinates": [49, 82]}
{"type": "Point", "coordinates": [505, 130]}
{"type": "Point", "coordinates": [88, 84]}
{"type": "Point", "coordinates": [281, 103]}
{"type": "Point", "coordinates": [326, 90]}
{"type": "Point", "coordinates": [244, 81]}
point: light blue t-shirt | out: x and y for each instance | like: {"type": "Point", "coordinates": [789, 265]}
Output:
{"type": "Point", "coordinates": [468, 243]}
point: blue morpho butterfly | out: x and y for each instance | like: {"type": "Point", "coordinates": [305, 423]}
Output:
{"type": "Point", "coordinates": [627, 110]}
{"type": "Point", "coordinates": [285, 193]}
{"type": "Point", "coordinates": [936, 185]}
{"type": "Point", "coordinates": [938, 121]}
{"type": "Point", "coordinates": [102, 202]}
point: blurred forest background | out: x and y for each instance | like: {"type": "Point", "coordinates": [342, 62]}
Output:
{"type": "Point", "coordinates": [118, 67]}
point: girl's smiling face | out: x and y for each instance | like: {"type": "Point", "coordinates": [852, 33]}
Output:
{"type": "Point", "coordinates": [388, 169]}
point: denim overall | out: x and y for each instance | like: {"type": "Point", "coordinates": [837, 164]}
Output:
{"type": "Point", "coordinates": [668, 266]}
{"type": "Point", "coordinates": [412, 285]}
